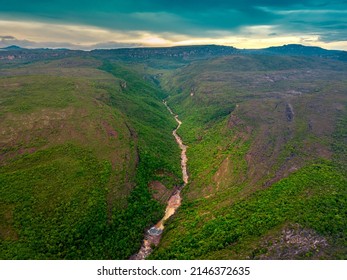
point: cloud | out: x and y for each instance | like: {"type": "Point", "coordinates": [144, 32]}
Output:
{"type": "Point", "coordinates": [6, 41]}
{"type": "Point", "coordinates": [163, 21]}
{"type": "Point", "coordinates": [6, 38]}
{"type": "Point", "coordinates": [114, 45]}
{"type": "Point", "coordinates": [329, 25]}
{"type": "Point", "coordinates": [193, 17]}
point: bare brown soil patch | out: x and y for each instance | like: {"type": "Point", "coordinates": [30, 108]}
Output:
{"type": "Point", "coordinates": [110, 130]}
{"type": "Point", "coordinates": [159, 191]}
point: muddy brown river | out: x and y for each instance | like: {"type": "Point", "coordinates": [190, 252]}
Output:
{"type": "Point", "coordinates": [153, 235]}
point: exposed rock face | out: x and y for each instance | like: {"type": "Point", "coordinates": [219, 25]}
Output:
{"type": "Point", "coordinates": [289, 112]}
{"type": "Point", "coordinates": [295, 242]}
{"type": "Point", "coordinates": [147, 247]}
{"type": "Point", "coordinates": [123, 84]}
{"type": "Point", "coordinates": [153, 235]}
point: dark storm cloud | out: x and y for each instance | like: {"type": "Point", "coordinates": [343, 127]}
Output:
{"type": "Point", "coordinates": [190, 17]}
{"type": "Point", "coordinates": [155, 15]}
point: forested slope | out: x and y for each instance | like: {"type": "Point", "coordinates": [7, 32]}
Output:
{"type": "Point", "coordinates": [267, 154]}
{"type": "Point", "coordinates": [79, 146]}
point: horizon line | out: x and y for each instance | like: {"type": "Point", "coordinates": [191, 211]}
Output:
{"type": "Point", "coordinates": [18, 47]}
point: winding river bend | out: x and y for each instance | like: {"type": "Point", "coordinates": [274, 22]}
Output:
{"type": "Point", "coordinates": [153, 235]}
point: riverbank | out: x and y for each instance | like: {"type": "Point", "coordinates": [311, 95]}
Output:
{"type": "Point", "coordinates": [153, 235]}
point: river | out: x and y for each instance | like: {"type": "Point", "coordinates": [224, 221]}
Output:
{"type": "Point", "coordinates": [153, 235]}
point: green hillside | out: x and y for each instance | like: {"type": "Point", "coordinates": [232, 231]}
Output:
{"type": "Point", "coordinates": [78, 148]}
{"type": "Point", "coordinates": [267, 153]}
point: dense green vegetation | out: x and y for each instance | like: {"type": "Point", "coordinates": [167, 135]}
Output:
{"type": "Point", "coordinates": [340, 143]}
{"type": "Point", "coordinates": [78, 151]}
{"type": "Point", "coordinates": [315, 197]}
{"type": "Point", "coordinates": [59, 207]}
{"type": "Point", "coordinates": [242, 143]}
{"type": "Point", "coordinates": [82, 137]}
{"type": "Point", "coordinates": [141, 102]}
{"type": "Point", "coordinates": [56, 197]}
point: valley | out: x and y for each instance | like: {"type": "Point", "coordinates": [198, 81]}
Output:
{"type": "Point", "coordinates": [91, 155]}
{"type": "Point", "coordinates": [153, 235]}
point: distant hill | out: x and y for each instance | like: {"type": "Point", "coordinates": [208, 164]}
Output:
{"type": "Point", "coordinates": [12, 48]}
{"type": "Point", "coordinates": [298, 49]}
{"type": "Point", "coordinates": [170, 57]}
{"type": "Point", "coordinates": [301, 50]}
{"type": "Point", "coordinates": [185, 53]}
{"type": "Point", "coordinates": [188, 53]}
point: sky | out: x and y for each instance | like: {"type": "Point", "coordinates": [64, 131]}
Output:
{"type": "Point", "coordinates": [86, 24]}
